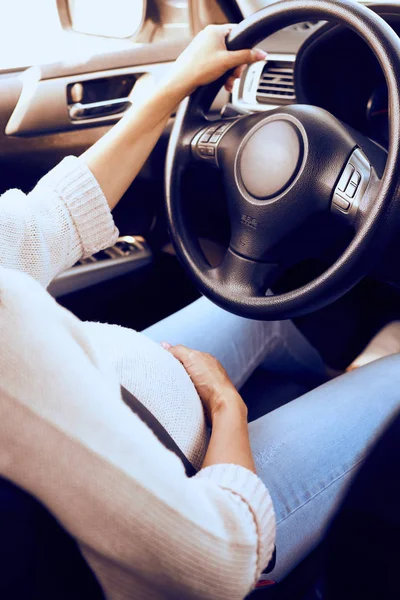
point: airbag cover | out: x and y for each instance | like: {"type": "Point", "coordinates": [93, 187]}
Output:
{"type": "Point", "coordinates": [269, 159]}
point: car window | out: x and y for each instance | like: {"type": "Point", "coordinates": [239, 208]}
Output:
{"type": "Point", "coordinates": [31, 32]}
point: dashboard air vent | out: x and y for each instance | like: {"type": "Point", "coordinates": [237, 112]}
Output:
{"type": "Point", "coordinates": [276, 83]}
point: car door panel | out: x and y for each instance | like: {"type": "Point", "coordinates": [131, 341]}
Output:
{"type": "Point", "coordinates": [138, 55]}
{"type": "Point", "coordinates": [43, 105]}
{"type": "Point", "coordinates": [40, 124]}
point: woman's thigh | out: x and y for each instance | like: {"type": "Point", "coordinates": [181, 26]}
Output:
{"type": "Point", "coordinates": [241, 345]}
{"type": "Point", "coordinates": [306, 452]}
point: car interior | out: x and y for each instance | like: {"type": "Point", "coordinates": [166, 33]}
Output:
{"type": "Point", "coordinates": [65, 103]}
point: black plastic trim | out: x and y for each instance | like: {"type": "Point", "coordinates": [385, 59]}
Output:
{"type": "Point", "coordinates": [232, 10]}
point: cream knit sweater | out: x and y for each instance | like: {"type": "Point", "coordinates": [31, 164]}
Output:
{"type": "Point", "coordinates": [66, 436]}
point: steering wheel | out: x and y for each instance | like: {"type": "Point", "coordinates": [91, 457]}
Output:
{"type": "Point", "coordinates": [281, 170]}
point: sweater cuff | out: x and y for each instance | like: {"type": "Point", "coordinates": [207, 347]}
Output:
{"type": "Point", "coordinates": [251, 490]}
{"type": "Point", "coordinates": [75, 184]}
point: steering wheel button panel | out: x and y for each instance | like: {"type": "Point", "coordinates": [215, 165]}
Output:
{"type": "Point", "coordinates": [205, 143]}
{"type": "Point", "coordinates": [352, 184]}
{"type": "Point", "coordinates": [345, 178]}
{"type": "Point", "coordinates": [207, 150]}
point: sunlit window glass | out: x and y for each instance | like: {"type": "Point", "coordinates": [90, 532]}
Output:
{"type": "Point", "coordinates": [116, 18]}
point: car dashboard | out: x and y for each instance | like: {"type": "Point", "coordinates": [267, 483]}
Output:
{"type": "Point", "coordinates": [311, 62]}
{"type": "Point", "coordinates": [325, 65]}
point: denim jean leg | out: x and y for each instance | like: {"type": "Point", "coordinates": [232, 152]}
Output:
{"type": "Point", "coordinates": [307, 451]}
{"type": "Point", "coordinates": [241, 345]}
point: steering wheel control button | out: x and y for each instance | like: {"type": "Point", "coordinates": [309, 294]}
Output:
{"type": "Point", "coordinates": [207, 150]}
{"type": "Point", "coordinates": [215, 138]}
{"type": "Point", "coordinates": [205, 143]}
{"type": "Point", "coordinates": [352, 185]}
{"type": "Point", "coordinates": [223, 128]}
{"type": "Point", "coordinates": [270, 158]}
{"type": "Point", "coordinates": [351, 190]}
{"type": "Point", "coordinates": [345, 178]}
{"type": "Point", "coordinates": [205, 138]}
{"type": "Point", "coordinates": [356, 178]}
{"type": "Point", "coordinates": [342, 203]}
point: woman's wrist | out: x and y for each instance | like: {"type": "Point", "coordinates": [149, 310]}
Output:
{"type": "Point", "coordinates": [228, 404]}
{"type": "Point", "coordinates": [230, 443]}
{"type": "Point", "coordinates": [176, 85]}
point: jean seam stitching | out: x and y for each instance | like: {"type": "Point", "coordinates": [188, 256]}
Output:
{"type": "Point", "coordinates": [321, 491]}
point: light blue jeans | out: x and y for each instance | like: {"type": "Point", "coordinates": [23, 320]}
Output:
{"type": "Point", "coordinates": [307, 450]}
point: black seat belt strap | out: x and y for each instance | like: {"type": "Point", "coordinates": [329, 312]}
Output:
{"type": "Point", "coordinates": [159, 430]}
{"type": "Point", "coordinates": [164, 437]}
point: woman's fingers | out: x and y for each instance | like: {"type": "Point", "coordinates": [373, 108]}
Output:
{"type": "Point", "coordinates": [236, 74]}
{"type": "Point", "coordinates": [245, 57]}
{"type": "Point", "coordinates": [238, 71]}
{"type": "Point", "coordinates": [183, 354]}
{"type": "Point", "coordinates": [229, 83]}
{"type": "Point", "coordinates": [207, 58]}
{"type": "Point", "coordinates": [180, 352]}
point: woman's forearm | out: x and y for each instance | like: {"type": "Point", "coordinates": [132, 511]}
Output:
{"type": "Point", "coordinates": [229, 443]}
{"type": "Point", "coordinates": [117, 158]}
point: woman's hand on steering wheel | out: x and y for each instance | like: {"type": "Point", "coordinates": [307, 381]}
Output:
{"type": "Point", "coordinates": [207, 59]}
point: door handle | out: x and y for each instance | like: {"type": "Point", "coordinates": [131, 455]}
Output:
{"type": "Point", "coordinates": [94, 110]}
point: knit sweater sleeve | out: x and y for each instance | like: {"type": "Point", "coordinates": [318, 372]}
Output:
{"type": "Point", "coordinates": [64, 218]}
{"type": "Point", "coordinates": [67, 437]}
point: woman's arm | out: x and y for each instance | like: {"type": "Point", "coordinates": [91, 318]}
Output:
{"type": "Point", "coordinates": [67, 438]}
{"type": "Point", "coordinates": [67, 215]}
{"type": "Point", "coordinates": [225, 409]}
{"type": "Point", "coordinates": [117, 158]}
{"type": "Point", "coordinates": [229, 442]}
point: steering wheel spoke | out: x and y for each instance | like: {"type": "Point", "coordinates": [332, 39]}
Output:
{"type": "Point", "coordinates": [245, 277]}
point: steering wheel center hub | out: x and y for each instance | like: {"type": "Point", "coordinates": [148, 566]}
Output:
{"type": "Point", "coordinates": [269, 158]}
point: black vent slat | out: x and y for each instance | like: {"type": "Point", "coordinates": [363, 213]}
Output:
{"type": "Point", "coordinates": [271, 75]}
{"type": "Point", "coordinates": [276, 83]}
{"type": "Point", "coordinates": [275, 80]}
{"type": "Point", "coordinates": [279, 71]}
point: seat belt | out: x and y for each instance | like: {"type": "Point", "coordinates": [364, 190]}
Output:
{"type": "Point", "coordinates": [159, 430]}
{"type": "Point", "coordinates": [164, 437]}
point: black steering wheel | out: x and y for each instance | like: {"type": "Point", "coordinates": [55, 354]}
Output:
{"type": "Point", "coordinates": [282, 169]}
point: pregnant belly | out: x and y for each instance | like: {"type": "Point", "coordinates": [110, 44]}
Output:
{"type": "Point", "coordinates": [158, 380]}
